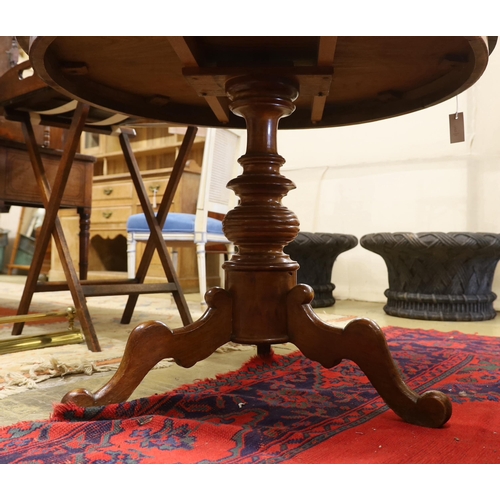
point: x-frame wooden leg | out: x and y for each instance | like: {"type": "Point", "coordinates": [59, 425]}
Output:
{"type": "Point", "coordinates": [51, 226]}
{"type": "Point", "coordinates": [156, 223]}
{"type": "Point", "coordinates": [80, 288]}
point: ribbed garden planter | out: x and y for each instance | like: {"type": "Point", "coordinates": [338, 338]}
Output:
{"type": "Point", "coordinates": [316, 253]}
{"type": "Point", "coordinates": [438, 276]}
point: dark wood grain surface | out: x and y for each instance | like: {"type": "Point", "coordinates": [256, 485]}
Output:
{"type": "Point", "coordinates": [361, 79]}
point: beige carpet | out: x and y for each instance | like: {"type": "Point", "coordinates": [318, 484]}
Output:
{"type": "Point", "coordinates": [21, 371]}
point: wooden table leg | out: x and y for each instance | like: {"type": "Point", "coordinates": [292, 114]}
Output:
{"type": "Point", "coordinates": [84, 240]}
{"type": "Point", "coordinates": [51, 226]}
{"type": "Point", "coordinates": [156, 223]}
{"type": "Point", "coordinates": [263, 305]}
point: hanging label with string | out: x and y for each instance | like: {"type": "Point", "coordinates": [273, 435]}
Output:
{"type": "Point", "coordinates": [457, 129]}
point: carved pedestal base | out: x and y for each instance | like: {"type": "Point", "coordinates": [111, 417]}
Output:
{"type": "Point", "coordinates": [262, 303]}
{"type": "Point", "coordinates": [361, 341]}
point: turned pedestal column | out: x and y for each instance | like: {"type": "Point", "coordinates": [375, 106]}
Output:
{"type": "Point", "coordinates": [260, 275]}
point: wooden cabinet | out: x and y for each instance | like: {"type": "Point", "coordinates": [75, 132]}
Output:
{"type": "Point", "coordinates": [18, 185]}
{"type": "Point", "coordinates": [114, 199]}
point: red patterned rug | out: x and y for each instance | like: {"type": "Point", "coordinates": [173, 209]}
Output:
{"type": "Point", "coordinates": [288, 409]}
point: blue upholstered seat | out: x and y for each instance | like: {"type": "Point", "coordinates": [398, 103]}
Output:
{"type": "Point", "coordinates": [181, 229]}
{"type": "Point", "coordinates": [175, 223]}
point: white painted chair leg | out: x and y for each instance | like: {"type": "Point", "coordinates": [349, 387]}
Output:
{"type": "Point", "coordinates": [174, 254]}
{"type": "Point", "coordinates": [229, 253]}
{"type": "Point", "coordinates": [230, 250]}
{"type": "Point", "coordinates": [131, 255]}
{"type": "Point", "coordinates": [202, 271]}
{"type": "Point", "coordinates": [221, 271]}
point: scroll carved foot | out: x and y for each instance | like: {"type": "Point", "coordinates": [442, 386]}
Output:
{"type": "Point", "coordinates": [152, 341]}
{"type": "Point", "coordinates": [363, 342]}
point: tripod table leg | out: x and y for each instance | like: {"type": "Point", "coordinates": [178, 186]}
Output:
{"type": "Point", "coordinates": [363, 342]}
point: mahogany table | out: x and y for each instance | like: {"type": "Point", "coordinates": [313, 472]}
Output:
{"type": "Point", "coordinates": [252, 83]}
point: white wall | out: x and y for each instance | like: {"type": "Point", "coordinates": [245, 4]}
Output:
{"type": "Point", "coordinates": [400, 174]}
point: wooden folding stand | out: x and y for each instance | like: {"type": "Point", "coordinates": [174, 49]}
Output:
{"type": "Point", "coordinates": [18, 96]}
{"type": "Point", "coordinates": [52, 226]}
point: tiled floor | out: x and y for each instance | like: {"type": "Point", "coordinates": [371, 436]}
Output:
{"type": "Point", "coordinates": [37, 404]}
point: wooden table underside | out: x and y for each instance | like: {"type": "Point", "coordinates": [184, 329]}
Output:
{"type": "Point", "coordinates": [253, 83]}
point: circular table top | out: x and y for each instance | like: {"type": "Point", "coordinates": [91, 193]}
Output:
{"type": "Point", "coordinates": [342, 80]}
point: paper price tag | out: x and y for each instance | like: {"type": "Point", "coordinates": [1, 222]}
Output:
{"type": "Point", "coordinates": [457, 132]}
